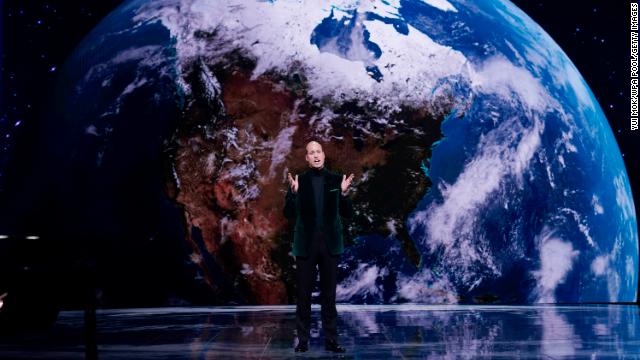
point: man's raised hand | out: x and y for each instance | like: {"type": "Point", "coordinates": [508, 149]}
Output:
{"type": "Point", "coordinates": [293, 183]}
{"type": "Point", "coordinates": [346, 182]}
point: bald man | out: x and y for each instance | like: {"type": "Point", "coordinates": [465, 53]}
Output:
{"type": "Point", "coordinates": [316, 201]}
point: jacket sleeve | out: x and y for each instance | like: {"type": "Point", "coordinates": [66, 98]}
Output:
{"type": "Point", "coordinates": [346, 207]}
{"type": "Point", "coordinates": [290, 205]}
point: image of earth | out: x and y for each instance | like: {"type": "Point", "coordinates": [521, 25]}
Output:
{"type": "Point", "coordinates": [485, 169]}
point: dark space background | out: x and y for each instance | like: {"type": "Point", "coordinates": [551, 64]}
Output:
{"type": "Point", "coordinates": [38, 35]}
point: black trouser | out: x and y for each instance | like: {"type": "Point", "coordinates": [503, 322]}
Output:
{"type": "Point", "coordinates": [306, 272]}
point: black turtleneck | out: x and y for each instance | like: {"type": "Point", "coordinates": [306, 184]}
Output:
{"type": "Point", "coordinates": [317, 181]}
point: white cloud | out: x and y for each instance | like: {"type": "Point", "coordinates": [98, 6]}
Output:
{"type": "Point", "coordinates": [91, 129]}
{"type": "Point", "coordinates": [600, 264]}
{"type": "Point", "coordinates": [606, 265]}
{"type": "Point", "coordinates": [424, 287]}
{"type": "Point", "coordinates": [416, 62]}
{"type": "Point", "coordinates": [499, 76]}
{"type": "Point", "coordinates": [566, 141]}
{"type": "Point", "coordinates": [613, 285]}
{"type": "Point", "coordinates": [573, 81]}
{"type": "Point", "coordinates": [543, 52]}
{"type": "Point", "coordinates": [362, 281]}
{"type": "Point", "coordinates": [623, 196]}
{"type": "Point", "coordinates": [443, 5]}
{"type": "Point", "coordinates": [556, 260]}
{"type": "Point", "coordinates": [138, 82]}
{"type": "Point", "coordinates": [246, 269]}
{"type": "Point", "coordinates": [582, 226]}
{"type": "Point", "coordinates": [630, 271]}
{"type": "Point", "coordinates": [502, 153]}
{"type": "Point", "coordinates": [597, 207]}
{"type": "Point", "coordinates": [281, 148]}
{"type": "Point", "coordinates": [149, 55]}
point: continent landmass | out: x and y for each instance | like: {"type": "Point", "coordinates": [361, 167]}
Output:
{"type": "Point", "coordinates": [239, 136]}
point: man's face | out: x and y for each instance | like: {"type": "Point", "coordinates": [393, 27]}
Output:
{"type": "Point", "coordinates": [315, 155]}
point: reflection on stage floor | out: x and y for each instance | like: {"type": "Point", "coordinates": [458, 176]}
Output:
{"type": "Point", "coordinates": [366, 331]}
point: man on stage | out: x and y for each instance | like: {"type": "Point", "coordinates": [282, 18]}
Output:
{"type": "Point", "coordinates": [316, 201]}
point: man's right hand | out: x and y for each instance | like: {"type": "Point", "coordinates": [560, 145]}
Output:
{"type": "Point", "coordinates": [293, 183]}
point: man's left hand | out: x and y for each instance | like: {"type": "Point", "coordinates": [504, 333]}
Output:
{"type": "Point", "coordinates": [346, 182]}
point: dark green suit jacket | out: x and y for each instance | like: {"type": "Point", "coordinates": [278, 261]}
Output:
{"type": "Point", "coordinates": [300, 208]}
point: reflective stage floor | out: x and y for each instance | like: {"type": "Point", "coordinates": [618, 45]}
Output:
{"type": "Point", "coordinates": [366, 331]}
